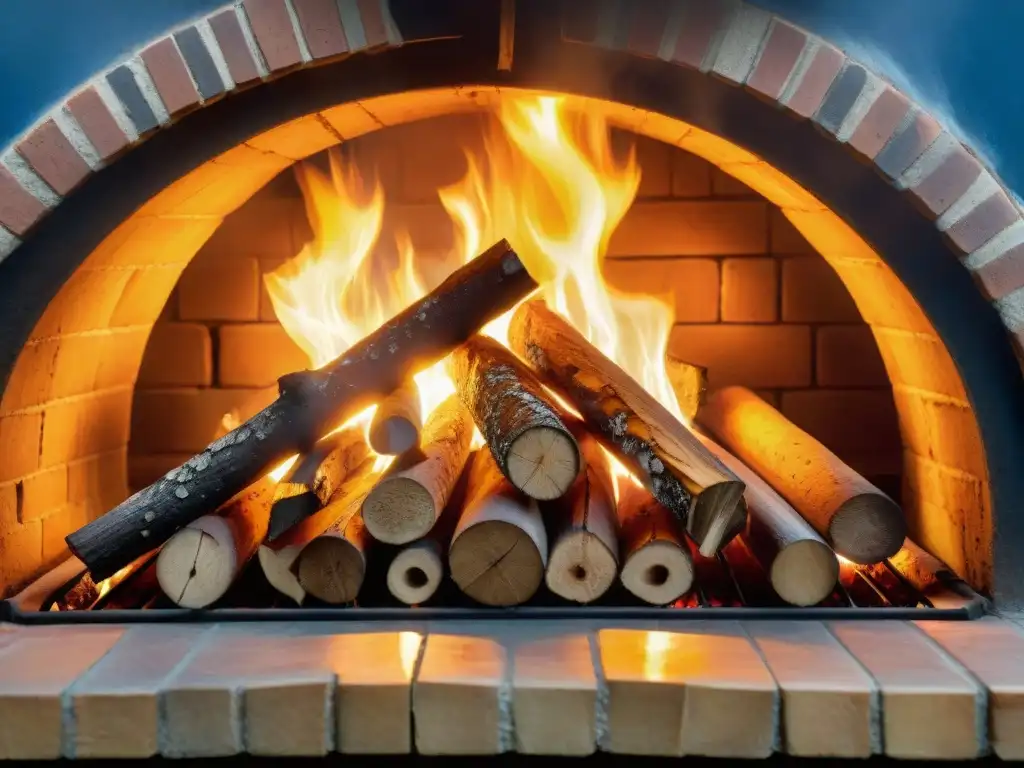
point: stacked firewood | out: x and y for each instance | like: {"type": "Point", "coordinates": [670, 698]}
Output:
{"type": "Point", "coordinates": [538, 503]}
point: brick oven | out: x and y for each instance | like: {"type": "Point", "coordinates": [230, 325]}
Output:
{"type": "Point", "coordinates": [827, 243]}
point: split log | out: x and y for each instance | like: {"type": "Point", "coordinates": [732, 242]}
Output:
{"type": "Point", "coordinates": [315, 477]}
{"type": "Point", "coordinates": [332, 566]}
{"type": "Point", "coordinates": [279, 559]}
{"type": "Point", "coordinates": [396, 424]}
{"type": "Point", "coordinates": [584, 557]}
{"type": "Point", "coordinates": [530, 442]}
{"type": "Point", "coordinates": [689, 382]}
{"type": "Point", "coordinates": [499, 548]}
{"type": "Point", "coordinates": [803, 569]}
{"type": "Point", "coordinates": [856, 518]}
{"type": "Point", "coordinates": [409, 499]}
{"type": "Point", "coordinates": [199, 563]}
{"type": "Point", "coordinates": [656, 562]}
{"type": "Point", "coordinates": [310, 404]}
{"type": "Point", "coordinates": [681, 473]}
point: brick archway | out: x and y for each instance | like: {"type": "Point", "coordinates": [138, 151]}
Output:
{"type": "Point", "coordinates": [184, 132]}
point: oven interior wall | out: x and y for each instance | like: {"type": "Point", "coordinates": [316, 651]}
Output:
{"type": "Point", "coordinates": [754, 301]}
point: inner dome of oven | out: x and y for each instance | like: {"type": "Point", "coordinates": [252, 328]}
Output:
{"type": "Point", "coordinates": [755, 302]}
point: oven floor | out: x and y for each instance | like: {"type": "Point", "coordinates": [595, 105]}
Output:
{"type": "Point", "coordinates": [751, 689]}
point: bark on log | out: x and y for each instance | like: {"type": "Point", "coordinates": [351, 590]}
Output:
{"type": "Point", "coordinates": [315, 477]}
{"type": "Point", "coordinates": [499, 549]}
{"type": "Point", "coordinates": [584, 557]}
{"type": "Point", "coordinates": [656, 562]}
{"type": "Point", "coordinates": [681, 473]}
{"type": "Point", "coordinates": [529, 441]}
{"type": "Point", "coordinates": [803, 569]}
{"type": "Point", "coordinates": [856, 518]}
{"type": "Point", "coordinates": [409, 499]}
{"type": "Point", "coordinates": [311, 403]}
{"type": "Point", "coordinates": [198, 564]}
{"type": "Point", "coordinates": [396, 424]}
{"type": "Point", "coordinates": [690, 383]}
{"type": "Point", "coordinates": [279, 559]}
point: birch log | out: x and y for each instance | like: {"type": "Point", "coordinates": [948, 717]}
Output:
{"type": "Point", "coordinates": [397, 421]}
{"type": "Point", "coordinates": [311, 403]}
{"type": "Point", "coordinates": [856, 518]}
{"type": "Point", "coordinates": [673, 464]}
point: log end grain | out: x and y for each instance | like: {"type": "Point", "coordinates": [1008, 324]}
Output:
{"type": "Point", "coordinates": [496, 563]}
{"type": "Point", "coordinates": [399, 510]}
{"type": "Point", "coordinates": [805, 572]}
{"type": "Point", "coordinates": [331, 568]}
{"type": "Point", "coordinates": [868, 528]}
{"type": "Point", "coordinates": [658, 573]}
{"type": "Point", "coordinates": [581, 568]}
{"type": "Point", "coordinates": [416, 572]}
{"type": "Point", "coordinates": [543, 462]}
{"type": "Point", "coordinates": [198, 564]}
{"type": "Point", "coordinates": [718, 516]}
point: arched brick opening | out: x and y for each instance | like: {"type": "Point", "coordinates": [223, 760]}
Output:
{"type": "Point", "coordinates": [922, 235]}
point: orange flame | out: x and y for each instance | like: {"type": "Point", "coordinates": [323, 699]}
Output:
{"type": "Point", "coordinates": [549, 183]}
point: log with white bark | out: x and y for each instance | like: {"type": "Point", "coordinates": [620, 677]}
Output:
{"type": "Point", "coordinates": [584, 557]}
{"type": "Point", "coordinates": [198, 564]}
{"type": "Point", "coordinates": [656, 562]}
{"type": "Point", "coordinates": [499, 549]}
{"type": "Point", "coordinates": [311, 403]}
{"type": "Point", "coordinates": [529, 441]}
{"type": "Point", "coordinates": [409, 499]}
{"type": "Point", "coordinates": [674, 465]}
{"type": "Point", "coordinates": [397, 421]}
{"type": "Point", "coordinates": [856, 518]}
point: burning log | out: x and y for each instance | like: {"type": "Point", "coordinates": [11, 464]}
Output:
{"type": "Point", "coordinates": [673, 464]}
{"type": "Point", "coordinates": [199, 563]}
{"type": "Point", "coordinates": [526, 435]}
{"type": "Point", "coordinates": [315, 477]}
{"type": "Point", "coordinates": [279, 559]}
{"type": "Point", "coordinates": [397, 422]}
{"type": "Point", "coordinates": [803, 569]}
{"type": "Point", "coordinates": [407, 501]}
{"type": "Point", "coordinates": [310, 404]}
{"type": "Point", "coordinates": [657, 567]}
{"type": "Point", "coordinates": [499, 548]}
{"type": "Point", "coordinates": [689, 382]}
{"type": "Point", "coordinates": [856, 518]}
{"type": "Point", "coordinates": [584, 557]}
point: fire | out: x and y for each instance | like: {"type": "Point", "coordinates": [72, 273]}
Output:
{"type": "Point", "coordinates": [549, 183]}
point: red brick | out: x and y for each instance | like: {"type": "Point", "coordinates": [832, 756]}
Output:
{"type": "Point", "coordinates": [1003, 275]}
{"type": "Point", "coordinates": [228, 291]}
{"type": "Point", "coordinates": [373, 23]}
{"type": "Point", "coordinates": [847, 356]}
{"type": "Point", "coordinates": [647, 26]}
{"type": "Point", "coordinates": [145, 470]}
{"type": "Point", "coordinates": [700, 23]}
{"type": "Point", "coordinates": [908, 145]}
{"type": "Point", "coordinates": [97, 123]}
{"type": "Point", "coordinates": [948, 182]}
{"type": "Point", "coordinates": [778, 57]}
{"type": "Point", "coordinates": [256, 355]}
{"type": "Point", "coordinates": [20, 436]}
{"type": "Point", "coordinates": [691, 175]}
{"type": "Point", "coordinates": [272, 27]}
{"type": "Point", "coordinates": [53, 157]}
{"type": "Point", "coordinates": [987, 220]}
{"type": "Point", "coordinates": [880, 123]}
{"type": "Point", "coordinates": [172, 80]}
{"type": "Point", "coordinates": [724, 185]}
{"type": "Point", "coordinates": [321, 26]}
{"type": "Point", "coordinates": [691, 283]}
{"type": "Point", "coordinates": [43, 494]}
{"type": "Point", "coordinates": [231, 40]}
{"type": "Point", "coordinates": [785, 239]}
{"type": "Point", "coordinates": [178, 355]}
{"type": "Point", "coordinates": [19, 209]}
{"type": "Point", "coordinates": [750, 290]}
{"type": "Point", "coordinates": [859, 426]}
{"type": "Point", "coordinates": [751, 355]}
{"type": "Point", "coordinates": [692, 228]}
{"type": "Point", "coordinates": [816, 80]}
{"type": "Point", "coordinates": [812, 292]}
{"type": "Point", "coordinates": [187, 420]}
